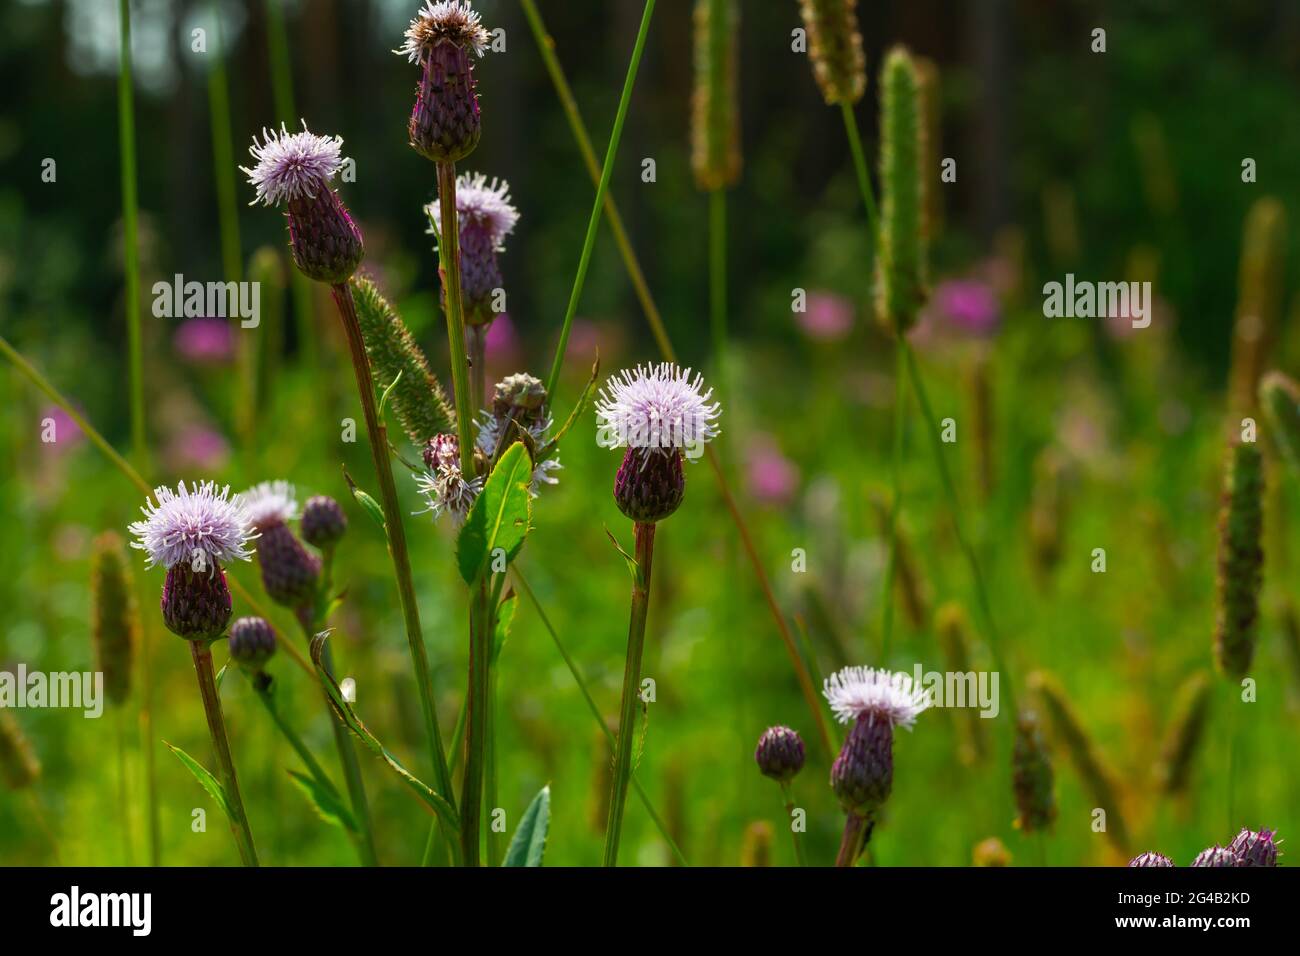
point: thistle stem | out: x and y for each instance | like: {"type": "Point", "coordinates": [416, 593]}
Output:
{"type": "Point", "coordinates": [478, 365]}
{"type": "Point", "coordinates": [490, 763]}
{"type": "Point", "coordinates": [644, 554]}
{"type": "Point", "coordinates": [449, 263]}
{"type": "Point", "coordinates": [601, 189]}
{"type": "Point", "coordinates": [857, 830]}
{"type": "Point", "coordinates": [202, 654]}
{"type": "Point", "coordinates": [123, 794]}
{"type": "Point", "coordinates": [396, 535]}
{"type": "Point", "coordinates": [262, 687]}
{"type": "Point", "coordinates": [130, 245]}
{"type": "Point", "coordinates": [789, 815]}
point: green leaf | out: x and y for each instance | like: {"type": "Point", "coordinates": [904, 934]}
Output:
{"type": "Point", "coordinates": [205, 779]}
{"type": "Point", "coordinates": [500, 516]}
{"type": "Point", "coordinates": [221, 675]}
{"type": "Point", "coordinates": [326, 801]}
{"type": "Point", "coordinates": [633, 568]}
{"type": "Point", "coordinates": [368, 504]}
{"type": "Point", "coordinates": [505, 617]}
{"type": "Point", "coordinates": [529, 842]}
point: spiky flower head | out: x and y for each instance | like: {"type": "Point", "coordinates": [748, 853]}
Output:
{"type": "Point", "coordinates": [991, 852]}
{"type": "Point", "coordinates": [484, 218]}
{"type": "Point", "coordinates": [901, 263]}
{"type": "Point", "coordinates": [1241, 560]}
{"type": "Point", "coordinates": [115, 623]}
{"type": "Point", "coordinates": [296, 169]}
{"type": "Point", "coordinates": [835, 48]}
{"type": "Point", "coordinates": [444, 38]}
{"type": "Point", "coordinates": [443, 485]}
{"type": "Point", "coordinates": [197, 525]}
{"type": "Point", "coordinates": [323, 522]}
{"type": "Point", "coordinates": [19, 766]}
{"type": "Point", "coordinates": [520, 412]}
{"type": "Point", "coordinates": [660, 408]}
{"type": "Point", "coordinates": [1032, 777]}
{"type": "Point", "coordinates": [269, 503]}
{"type": "Point", "coordinates": [1150, 859]}
{"type": "Point", "coordinates": [715, 112]}
{"type": "Point", "coordinates": [780, 754]}
{"type": "Point", "coordinates": [252, 643]}
{"type": "Point", "coordinates": [290, 573]}
{"type": "Point", "coordinates": [1216, 856]}
{"type": "Point", "coordinates": [1280, 397]}
{"type": "Point", "coordinates": [876, 694]}
{"type": "Point", "coordinates": [1255, 848]}
{"type": "Point", "coordinates": [520, 396]}
{"type": "Point", "coordinates": [196, 605]}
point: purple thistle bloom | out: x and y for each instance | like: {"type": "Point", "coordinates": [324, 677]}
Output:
{"type": "Point", "coordinates": [198, 525]}
{"type": "Point", "coordinates": [443, 485]}
{"type": "Point", "coordinates": [197, 447]}
{"type": "Point", "coordinates": [289, 571]}
{"type": "Point", "coordinates": [967, 305]}
{"type": "Point", "coordinates": [67, 433]}
{"type": "Point", "coordinates": [1216, 856]}
{"type": "Point", "coordinates": [196, 604]}
{"type": "Point", "coordinates": [204, 341]}
{"type": "Point", "coordinates": [445, 21]}
{"type": "Point", "coordinates": [780, 754]}
{"type": "Point", "coordinates": [484, 217]}
{"type": "Point", "coordinates": [252, 643]}
{"type": "Point", "coordinates": [657, 407]}
{"type": "Point", "coordinates": [773, 478]}
{"type": "Point", "coordinates": [445, 124]}
{"type": "Point", "coordinates": [1255, 849]}
{"type": "Point", "coordinates": [323, 522]}
{"type": "Point", "coordinates": [1151, 859]}
{"type": "Point", "coordinates": [891, 696]}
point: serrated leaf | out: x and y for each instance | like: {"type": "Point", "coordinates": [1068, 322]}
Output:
{"type": "Point", "coordinates": [633, 568]}
{"type": "Point", "coordinates": [529, 842]}
{"type": "Point", "coordinates": [500, 516]}
{"type": "Point", "coordinates": [329, 806]}
{"type": "Point", "coordinates": [368, 504]}
{"type": "Point", "coordinates": [205, 779]}
{"type": "Point", "coordinates": [504, 618]}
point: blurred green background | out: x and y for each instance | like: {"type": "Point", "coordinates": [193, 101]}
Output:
{"type": "Point", "coordinates": [1119, 165]}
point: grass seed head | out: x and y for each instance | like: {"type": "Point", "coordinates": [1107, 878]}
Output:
{"type": "Point", "coordinates": [1186, 734]}
{"type": "Point", "coordinates": [835, 48]}
{"type": "Point", "coordinates": [715, 113]}
{"type": "Point", "coordinates": [901, 260]}
{"type": "Point", "coordinates": [1032, 778]}
{"type": "Point", "coordinates": [1241, 560]}
{"type": "Point", "coordinates": [115, 620]}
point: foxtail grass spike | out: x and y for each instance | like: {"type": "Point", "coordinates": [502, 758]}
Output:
{"type": "Point", "coordinates": [1279, 397]}
{"type": "Point", "coordinates": [1047, 511]}
{"type": "Point", "coordinates": [19, 767]}
{"type": "Point", "coordinates": [715, 109]}
{"type": "Point", "coordinates": [1186, 734]}
{"type": "Point", "coordinates": [1241, 560]}
{"type": "Point", "coordinates": [1096, 777]}
{"type": "Point", "coordinates": [991, 852]}
{"type": "Point", "coordinates": [1032, 777]}
{"type": "Point", "coordinates": [835, 48]}
{"type": "Point", "coordinates": [928, 84]}
{"type": "Point", "coordinates": [756, 850]}
{"type": "Point", "coordinates": [900, 265]}
{"type": "Point", "coordinates": [953, 632]}
{"type": "Point", "coordinates": [115, 624]}
{"type": "Point", "coordinates": [417, 399]}
{"type": "Point", "coordinates": [1260, 289]}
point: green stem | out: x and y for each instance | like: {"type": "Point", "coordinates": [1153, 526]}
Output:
{"type": "Point", "coordinates": [896, 503]}
{"type": "Point", "coordinates": [147, 743]}
{"type": "Point", "coordinates": [860, 166]}
{"type": "Point", "coordinates": [130, 230]}
{"type": "Point", "coordinates": [594, 710]}
{"type": "Point", "coordinates": [718, 282]}
{"type": "Point", "coordinates": [262, 687]}
{"type": "Point", "coordinates": [225, 764]}
{"type": "Point", "coordinates": [856, 831]}
{"type": "Point", "coordinates": [1230, 782]}
{"type": "Point", "coordinates": [471, 801]}
{"type": "Point", "coordinates": [490, 779]}
{"type": "Point", "coordinates": [396, 534]}
{"type": "Point", "coordinates": [478, 365]}
{"type": "Point", "coordinates": [789, 815]}
{"type": "Point", "coordinates": [449, 262]}
{"type": "Point", "coordinates": [123, 796]}
{"type": "Point", "coordinates": [601, 189]}
{"type": "Point", "coordinates": [644, 554]}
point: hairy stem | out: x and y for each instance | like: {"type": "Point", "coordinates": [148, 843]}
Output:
{"type": "Point", "coordinates": [221, 745]}
{"type": "Point", "coordinates": [644, 554]}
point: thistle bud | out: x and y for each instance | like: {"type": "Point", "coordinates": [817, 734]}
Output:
{"type": "Point", "coordinates": [1150, 859]}
{"type": "Point", "coordinates": [417, 398]}
{"type": "Point", "coordinates": [1186, 734]}
{"type": "Point", "coordinates": [196, 604]}
{"type": "Point", "coordinates": [445, 38]}
{"type": "Point", "coordinates": [325, 242]}
{"type": "Point", "coordinates": [323, 522]}
{"type": "Point", "coordinates": [290, 573]}
{"type": "Point", "coordinates": [715, 117]}
{"type": "Point", "coordinates": [1255, 848]}
{"type": "Point", "coordinates": [521, 397]}
{"type": "Point", "coordinates": [649, 485]}
{"type": "Point", "coordinates": [835, 48]}
{"type": "Point", "coordinates": [863, 773]}
{"type": "Point", "coordinates": [485, 217]}
{"type": "Point", "coordinates": [115, 625]}
{"type": "Point", "coordinates": [780, 754]}
{"type": "Point", "coordinates": [1280, 398]}
{"type": "Point", "coordinates": [757, 847]}
{"type": "Point", "coordinates": [252, 643]}
{"type": "Point", "coordinates": [900, 262]}
{"type": "Point", "coordinates": [1216, 856]}
{"type": "Point", "coordinates": [18, 764]}
{"type": "Point", "coordinates": [991, 852]}
{"type": "Point", "coordinates": [1241, 559]}
{"type": "Point", "coordinates": [1032, 777]}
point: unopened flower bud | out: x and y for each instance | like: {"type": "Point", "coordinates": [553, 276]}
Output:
{"type": "Point", "coordinates": [1255, 848]}
{"type": "Point", "coordinates": [780, 754]}
{"type": "Point", "coordinates": [863, 773]}
{"type": "Point", "coordinates": [323, 522]}
{"type": "Point", "coordinates": [196, 604]}
{"type": "Point", "coordinates": [650, 484]}
{"type": "Point", "coordinates": [1216, 856]}
{"type": "Point", "coordinates": [1150, 859]}
{"type": "Point", "coordinates": [252, 643]}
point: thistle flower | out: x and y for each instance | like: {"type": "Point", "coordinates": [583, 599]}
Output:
{"type": "Point", "coordinates": [520, 411]}
{"type": "Point", "coordinates": [115, 624]}
{"type": "Point", "coordinates": [1150, 859]}
{"type": "Point", "coordinates": [1260, 289]}
{"type": "Point", "coordinates": [876, 701]}
{"type": "Point", "coordinates": [290, 573]}
{"type": "Point", "coordinates": [780, 754]}
{"type": "Point", "coordinates": [1216, 856]}
{"type": "Point", "coordinates": [443, 485]}
{"type": "Point", "coordinates": [1186, 733]}
{"type": "Point", "coordinates": [657, 413]}
{"type": "Point", "coordinates": [417, 398]}
{"type": "Point", "coordinates": [252, 643]}
{"type": "Point", "coordinates": [900, 264]}
{"type": "Point", "coordinates": [484, 218]}
{"type": "Point", "coordinates": [323, 522]}
{"type": "Point", "coordinates": [715, 116]}
{"type": "Point", "coordinates": [1032, 776]}
{"type": "Point", "coordinates": [1241, 558]}
{"type": "Point", "coordinates": [1280, 398]}
{"type": "Point", "coordinates": [1255, 848]}
{"type": "Point", "coordinates": [835, 47]}
{"type": "Point", "coordinates": [1094, 773]}
{"type": "Point", "coordinates": [296, 169]}
{"type": "Point", "coordinates": [991, 852]}
{"type": "Point", "coordinates": [197, 524]}
{"type": "Point", "coordinates": [445, 125]}
{"type": "Point", "coordinates": [18, 764]}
